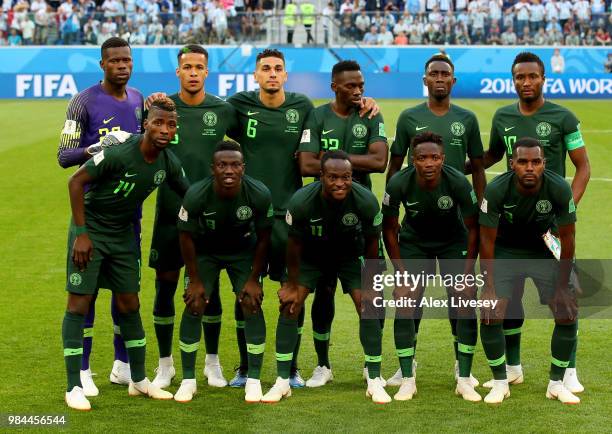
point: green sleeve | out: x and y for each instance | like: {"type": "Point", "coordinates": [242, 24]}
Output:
{"type": "Point", "coordinates": [377, 130]}
{"type": "Point", "coordinates": [474, 148]}
{"type": "Point", "coordinates": [311, 135]}
{"type": "Point", "coordinates": [496, 142]}
{"type": "Point", "coordinates": [176, 175]}
{"type": "Point", "coordinates": [371, 223]}
{"type": "Point", "coordinates": [572, 137]}
{"type": "Point", "coordinates": [189, 212]}
{"type": "Point", "coordinates": [466, 197]}
{"type": "Point", "coordinates": [296, 219]}
{"type": "Point", "coordinates": [232, 120]}
{"type": "Point", "coordinates": [393, 196]}
{"type": "Point", "coordinates": [401, 143]}
{"type": "Point", "coordinates": [566, 209]}
{"type": "Point", "coordinates": [490, 207]}
{"type": "Point", "coordinates": [264, 210]}
{"type": "Point", "coordinates": [103, 163]}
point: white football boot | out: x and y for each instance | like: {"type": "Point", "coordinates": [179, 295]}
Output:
{"type": "Point", "coordinates": [165, 372]}
{"type": "Point", "coordinates": [557, 390]}
{"type": "Point", "coordinates": [213, 371]}
{"type": "Point", "coordinates": [320, 377]}
{"type": "Point", "coordinates": [186, 391]}
{"type": "Point", "coordinates": [145, 387]}
{"type": "Point", "coordinates": [280, 390]}
{"type": "Point", "coordinates": [89, 387]}
{"type": "Point", "coordinates": [76, 399]}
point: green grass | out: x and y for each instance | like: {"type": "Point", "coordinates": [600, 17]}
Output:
{"type": "Point", "coordinates": [33, 221]}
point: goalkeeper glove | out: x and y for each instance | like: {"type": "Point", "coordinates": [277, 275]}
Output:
{"type": "Point", "coordinates": [111, 139]}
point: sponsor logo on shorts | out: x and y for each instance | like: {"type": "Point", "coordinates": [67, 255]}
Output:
{"type": "Point", "coordinates": [159, 176]}
{"type": "Point", "coordinates": [289, 218]}
{"type": "Point", "coordinates": [75, 279]}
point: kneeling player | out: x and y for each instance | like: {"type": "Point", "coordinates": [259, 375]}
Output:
{"type": "Point", "coordinates": [329, 222]}
{"type": "Point", "coordinates": [224, 223]}
{"type": "Point", "coordinates": [438, 201]}
{"type": "Point", "coordinates": [102, 245]}
{"type": "Point", "coordinates": [519, 207]}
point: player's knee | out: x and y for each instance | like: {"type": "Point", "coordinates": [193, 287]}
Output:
{"type": "Point", "coordinates": [128, 303]}
{"type": "Point", "coordinates": [168, 276]}
{"type": "Point", "coordinates": [286, 312]}
{"type": "Point", "coordinates": [564, 321]}
{"type": "Point", "coordinates": [79, 304]}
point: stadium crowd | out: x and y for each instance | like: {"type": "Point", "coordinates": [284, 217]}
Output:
{"type": "Point", "coordinates": [371, 22]}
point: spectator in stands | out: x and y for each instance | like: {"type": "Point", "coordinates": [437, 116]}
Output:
{"type": "Point", "coordinates": [557, 62]}
{"type": "Point", "coordinates": [110, 8]}
{"type": "Point", "coordinates": [554, 24]}
{"type": "Point", "coordinates": [156, 38]}
{"type": "Point", "coordinates": [448, 36]}
{"type": "Point", "coordinates": [346, 7]}
{"type": "Point", "coordinates": [495, 10]}
{"type": "Point", "coordinates": [494, 37]}
{"type": "Point", "coordinates": [598, 9]}
{"type": "Point", "coordinates": [522, 10]}
{"type": "Point", "coordinates": [478, 18]}
{"type": "Point", "coordinates": [478, 37]}
{"type": "Point", "coordinates": [171, 32]}
{"type": "Point", "coordinates": [572, 39]}
{"type": "Point", "coordinates": [71, 28]}
{"type": "Point", "coordinates": [362, 23]}
{"type": "Point", "coordinates": [435, 18]}
{"type": "Point", "coordinates": [371, 38]}
{"type": "Point", "coordinates": [588, 38]}
{"type": "Point", "coordinates": [509, 37]}
{"type": "Point", "coordinates": [27, 27]}
{"type": "Point", "coordinates": [555, 37]}
{"type": "Point", "coordinates": [183, 28]}
{"type": "Point", "coordinates": [14, 38]}
{"type": "Point", "coordinates": [377, 19]}
{"type": "Point", "coordinates": [401, 26]}
{"type": "Point", "coordinates": [401, 38]}
{"type": "Point", "coordinates": [290, 19]}
{"type": "Point", "coordinates": [508, 18]}
{"type": "Point", "coordinates": [602, 37]}
{"type": "Point", "coordinates": [540, 38]}
{"type": "Point", "coordinates": [385, 37]}
{"type": "Point", "coordinates": [110, 27]}
{"type": "Point", "coordinates": [90, 38]}
{"type": "Point", "coordinates": [526, 39]}
{"type": "Point", "coordinates": [582, 10]}
{"type": "Point", "coordinates": [42, 21]}
{"type": "Point", "coordinates": [536, 16]}
{"type": "Point", "coordinates": [432, 36]}
{"type": "Point", "coordinates": [565, 11]}
{"type": "Point", "coordinates": [608, 64]}
{"type": "Point", "coordinates": [551, 10]}
{"type": "Point", "coordinates": [388, 16]}
{"type": "Point", "coordinates": [347, 30]}
{"type": "Point", "coordinates": [463, 38]}
{"type": "Point", "coordinates": [449, 18]}
{"type": "Point", "coordinates": [328, 21]}
{"type": "Point", "coordinates": [416, 38]}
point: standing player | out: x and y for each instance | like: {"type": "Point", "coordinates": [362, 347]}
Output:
{"type": "Point", "coordinates": [558, 130]}
{"type": "Point", "coordinates": [440, 204]}
{"type": "Point", "coordinates": [225, 222]}
{"type": "Point", "coordinates": [203, 120]}
{"type": "Point", "coordinates": [460, 134]}
{"type": "Point", "coordinates": [104, 108]}
{"type": "Point", "coordinates": [332, 126]}
{"type": "Point", "coordinates": [102, 245]}
{"type": "Point", "coordinates": [519, 207]}
{"type": "Point", "coordinates": [331, 222]}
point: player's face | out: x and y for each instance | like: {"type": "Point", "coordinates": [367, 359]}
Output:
{"type": "Point", "coordinates": [192, 71]}
{"type": "Point", "coordinates": [160, 127]}
{"type": "Point", "coordinates": [439, 79]}
{"type": "Point", "coordinates": [428, 159]}
{"type": "Point", "coordinates": [270, 74]}
{"type": "Point", "coordinates": [528, 164]}
{"type": "Point", "coordinates": [528, 81]}
{"type": "Point", "coordinates": [337, 179]}
{"type": "Point", "coordinates": [228, 168]}
{"type": "Point", "coordinates": [348, 87]}
{"type": "Point", "coordinates": [117, 65]}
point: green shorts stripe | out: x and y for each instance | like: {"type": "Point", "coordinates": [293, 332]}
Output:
{"type": "Point", "coordinates": [321, 336]}
{"type": "Point", "coordinates": [405, 352]}
{"type": "Point", "coordinates": [256, 348]}
{"type": "Point", "coordinates": [136, 343]}
{"type": "Point", "coordinates": [497, 362]}
{"type": "Point", "coordinates": [510, 332]}
{"type": "Point", "coordinates": [239, 324]}
{"type": "Point", "coordinates": [73, 352]}
{"type": "Point", "coordinates": [163, 320]}
{"type": "Point", "coordinates": [211, 319]}
{"type": "Point", "coordinates": [188, 348]}
{"type": "Point", "coordinates": [373, 359]}
{"type": "Point", "coordinates": [88, 332]}
{"type": "Point", "coordinates": [466, 349]}
{"type": "Point", "coordinates": [559, 363]}
{"type": "Point", "coordinates": [287, 357]}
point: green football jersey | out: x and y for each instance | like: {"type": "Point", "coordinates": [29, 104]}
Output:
{"type": "Point", "coordinates": [458, 127]}
{"type": "Point", "coordinates": [226, 226]}
{"type": "Point", "coordinates": [269, 138]}
{"type": "Point", "coordinates": [331, 231]}
{"type": "Point", "coordinates": [555, 127]}
{"type": "Point", "coordinates": [122, 181]}
{"type": "Point", "coordinates": [200, 128]}
{"type": "Point", "coordinates": [522, 220]}
{"type": "Point", "coordinates": [326, 131]}
{"type": "Point", "coordinates": [433, 218]}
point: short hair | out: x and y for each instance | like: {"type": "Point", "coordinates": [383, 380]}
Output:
{"type": "Point", "coordinates": [113, 42]}
{"type": "Point", "coordinates": [426, 137]}
{"type": "Point", "coordinates": [333, 155]}
{"type": "Point", "coordinates": [526, 142]}
{"type": "Point", "coordinates": [227, 145]}
{"type": "Point", "coordinates": [270, 52]}
{"type": "Point", "coordinates": [165, 104]}
{"type": "Point", "coordinates": [192, 48]}
{"type": "Point", "coordinates": [440, 57]}
{"type": "Point", "coordinates": [527, 57]}
{"type": "Point", "coordinates": [345, 65]}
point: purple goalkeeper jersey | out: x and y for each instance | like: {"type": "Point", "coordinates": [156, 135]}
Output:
{"type": "Point", "coordinates": [91, 114]}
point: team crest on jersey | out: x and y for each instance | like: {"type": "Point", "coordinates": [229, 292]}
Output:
{"type": "Point", "coordinates": [159, 177]}
{"type": "Point", "coordinates": [445, 202]}
{"type": "Point", "coordinates": [138, 114]}
{"type": "Point", "coordinates": [543, 206]}
{"type": "Point", "coordinates": [350, 219]}
{"type": "Point", "coordinates": [360, 131]}
{"type": "Point", "coordinates": [244, 213]}
{"type": "Point", "coordinates": [457, 128]}
{"type": "Point", "coordinates": [292, 116]}
{"type": "Point", "coordinates": [210, 119]}
{"type": "Point", "coordinates": [75, 279]}
{"type": "Point", "coordinates": [543, 129]}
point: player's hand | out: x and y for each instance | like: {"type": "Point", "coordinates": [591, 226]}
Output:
{"type": "Point", "coordinates": [564, 304]}
{"type": "Point", "coordinates": [288, 296]}
{"type": "Point", "coordinates": [114, 138]}
{"type": "Point", "coordinates": [251, 295]}
{"type": "Point", "coordinates": [82, 251]}
{"type": "Point", "coordinates": [92, 150]}
{"type": "Point", "coordinates": [487, 313]}
{"type": "Point", "coordinates": [195, 297]}
{"type": "Point", "coordinates": [368, 105]}
{"type": "Point", "coordinates": [153, 97]}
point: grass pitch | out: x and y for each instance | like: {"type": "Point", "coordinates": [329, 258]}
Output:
{"type": "Point", "coordinates": [33, 221]}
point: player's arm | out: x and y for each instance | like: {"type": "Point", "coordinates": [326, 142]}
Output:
{"type": "Point", "coordinates": [368, 105]}
{"type": "Point", "coordinates": [177, 180]}
{"type": "Point", "coordinates": [309, 150]}
{"type": "Point", "coordinates": [489, 222]}
{"type": "Point", "coordinates": [375, 161]}
{"type": "Point", "coordinates": [475, 153]}
{"type": "Point", "coordinates": [391, 226]}
{"type": "Point", "coordinates": [194, 296]}
{"type": "Point", "coordinates": [479, 179]}
{"type": "Point", "coordinates": [580, 160]}
{"type": "Point", "coordinates": [71, 150]}
{"type": "Point", "coordinates": [399, 148]}
{"type": "Point", "coordinates": [471, 223]}
{"type": "Point", "coordinates": [495, 153]}
{"type": "Point", "coordinates": [82, 249]}
{"type": "Point", "coordinates": [564, 303]}
{"type": "Point", "coordinates": [289, 295]}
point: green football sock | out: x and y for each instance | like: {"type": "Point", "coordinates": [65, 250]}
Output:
{"type": "Point", "coordinates": [512, 334]}
{"type": "Point", "coordinates": [467, 334]}
{"type": "Point", "coordinates": [135, 342]}
{"type": "Point", "coordinates": [492, 337]}
{"type": "Point", "coordinates": [255, 331]}
{"type": "Point", "coordinates": [403, 332]}
{"type": "Point", "coordinates": [417, 324]}
{"type": "Point", "coordinates": [561, 345]}
{"type": "Point", "coordinates": [189, 340]}
{"type": "Point", "coordinates": [240, 337]}
{"type": "Point", "coordinates": [163, 315]}
{"type": "Point", "coordinates": [286, 336]}
{"type": "Point", "coordinates": [296, 350]}
{"type": "Point", "coordinates": [572, 360]}
{"type": "Point", "coordinates": [72, 336]}
{"type": "Point", "coordinates": [211, 323]}
{"type": "Point", "coordinates": [453, 323]}
{"type": "Point", "coordinates": [371, 340]}
{"type": "Point", "coordinates": [322, 314]}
